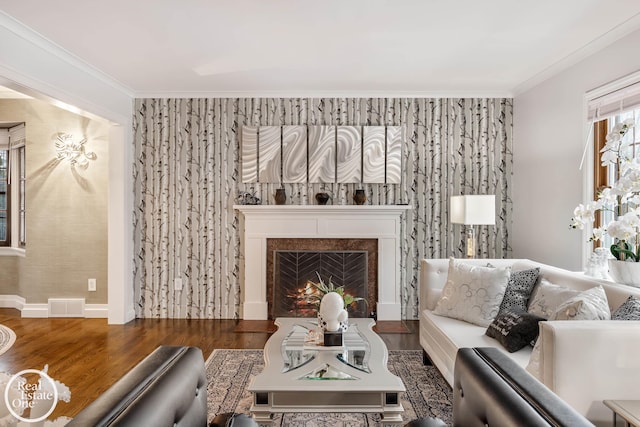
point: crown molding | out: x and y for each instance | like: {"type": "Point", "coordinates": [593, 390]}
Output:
{"type": "Point", "coordinates": [373, 93]}
{"type": "Point", "coordinates": [630, 25]}
{"type": "Point", "coordinates": [44, 43]}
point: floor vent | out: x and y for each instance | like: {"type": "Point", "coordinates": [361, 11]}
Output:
{"type": "Point", "coordinates": [66, 307]}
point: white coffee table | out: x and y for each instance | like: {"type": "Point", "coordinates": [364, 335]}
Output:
{"type": "Point", "coordinates": [302, 377]}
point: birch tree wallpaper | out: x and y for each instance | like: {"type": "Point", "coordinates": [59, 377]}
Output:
{"type": "Point", "coordinates": [187, 179]}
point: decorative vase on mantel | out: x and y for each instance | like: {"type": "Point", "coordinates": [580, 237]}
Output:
{"type": "Point", "coordinates": [625, 272]}
{"type": "Point", "coordinates": [322, 198]}
{"type": "Point", "coordinates": [280, 197]}
{"type": "Point", "coordinates": [359, 197]}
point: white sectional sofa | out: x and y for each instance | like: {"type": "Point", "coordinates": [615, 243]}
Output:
{"type": "Point", "coordinates": [582, 361]}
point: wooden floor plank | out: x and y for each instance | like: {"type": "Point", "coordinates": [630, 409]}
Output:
{"type": "Point", "coordinates": [88, 355]}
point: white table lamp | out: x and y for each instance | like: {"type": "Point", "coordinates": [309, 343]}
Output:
{"type": "Point", "coordinates": [472, 210]}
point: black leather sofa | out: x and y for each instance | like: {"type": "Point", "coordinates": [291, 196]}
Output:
{"type": "Point", "coordinates": [167, 388]}
{"type": "Point", "coordinates": [490, 389]}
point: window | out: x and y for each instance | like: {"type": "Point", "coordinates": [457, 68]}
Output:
{"type": "Point", "coordinates": [12, 185]}
{"type": "Point", "coordinates": [5, 229]}
{"type": "Point", "coordinates": [606, 176]}
{"type": "Point", "coordinates": [22, 184]}
{"type": "Point", "coordinates": [608, 106]}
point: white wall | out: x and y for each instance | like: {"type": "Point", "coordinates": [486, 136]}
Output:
{"type": "Point", "coordinates": [550, 131]}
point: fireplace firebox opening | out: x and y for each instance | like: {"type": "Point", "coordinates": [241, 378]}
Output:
{"type": "Point", "coordinates": [292, 264]}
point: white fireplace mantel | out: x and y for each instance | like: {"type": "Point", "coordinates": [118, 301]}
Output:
{"type": "Point", "coordinates": [262, 222]}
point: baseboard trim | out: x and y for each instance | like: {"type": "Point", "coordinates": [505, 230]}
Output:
{"type": "Point", "coordinates": [12, 301]}
{"type": "Point", "coordinates": [35, 310]}
{"type": "Point", "coordinates": [96, 311]}
{"type": "Point", "coordinates": [91, 311]}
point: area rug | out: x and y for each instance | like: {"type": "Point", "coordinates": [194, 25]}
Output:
{"type": "Point", "coordinates": [7, 338]}
{"type": "Point", "coordinates": [230, 371]}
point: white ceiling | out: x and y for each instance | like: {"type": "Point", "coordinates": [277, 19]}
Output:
{"type": "Point", "coordinates": [329, 47]}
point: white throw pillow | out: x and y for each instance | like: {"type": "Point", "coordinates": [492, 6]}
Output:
{"type": "Point", "coordinates": [591, 304]}
{"type": "Point", "coordinates": [547, 297]}
{"type": "Point", "coordinates": [472, 293]}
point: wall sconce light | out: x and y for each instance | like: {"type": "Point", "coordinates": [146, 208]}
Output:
{"type": "Point", "coordinates": [470, 211]}
{"type": "Point", "coordinates": [68, 148]}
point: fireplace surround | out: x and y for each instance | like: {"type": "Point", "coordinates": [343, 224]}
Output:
{"type": "Point", "coordinates": [262, 222]}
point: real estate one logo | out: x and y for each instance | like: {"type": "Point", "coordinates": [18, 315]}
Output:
{"type": "Point", "coordinates": [31, 399]}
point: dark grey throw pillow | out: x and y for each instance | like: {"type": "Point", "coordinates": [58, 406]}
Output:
{"type": "Point", "coordinates": [514, 330]}
{"type": "Point", "coordinates": [518, 292]}
{"type": "Point", "coordinates": [629, 310]}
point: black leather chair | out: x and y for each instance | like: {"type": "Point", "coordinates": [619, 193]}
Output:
{"type": "Point", "coordinates": [168, 388]}
{"type": "Point", "coordinates": [233, 420]}
{"type": "Point", "coordinates": [490, 389]}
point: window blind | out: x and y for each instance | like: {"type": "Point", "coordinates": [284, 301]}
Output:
{"type": "Point", "coordinates": [614, 98]}
{"type": "Point", "coordinates": [17, 136]}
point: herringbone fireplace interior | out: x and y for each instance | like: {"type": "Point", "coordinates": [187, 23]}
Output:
{"type": "Point", "coordinates": [294, 265]}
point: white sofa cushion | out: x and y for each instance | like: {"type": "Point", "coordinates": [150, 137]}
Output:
{"type": "Point", "coordinates": [444, 336]}
{"type": "Point", "coordinates": [473, 293]}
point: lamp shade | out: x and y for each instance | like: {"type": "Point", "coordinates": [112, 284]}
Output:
{"type": "Point", "coordinates": [473, 210]}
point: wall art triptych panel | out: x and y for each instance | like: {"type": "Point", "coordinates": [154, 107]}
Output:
{"type": "Point", "coordinates": [373, 154]}
{"type": "Point", "coordinates": [349, 154]}
{"type": "Point", "coordinates": [270, 154]}
{"type": "Point", "coordinates": [190, 167]}
{"type": "Point", "coordinates": [395, 137]}
{"type": "Point", "coordinates": [322, 154]}
{"type": "Point", "coordinates": [294, 154]}
{"type": "Point", "coordinates": [249, 153]}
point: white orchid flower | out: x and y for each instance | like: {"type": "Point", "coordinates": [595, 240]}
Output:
{"type": "Point", "coordinates": [613, 136]}
{"type": "Point", "coordinates": [623, 196]}
{"type": "Point", "coordinates": [630, 219]}
{"type": "Point", "coordinates": [606, 196]}
{"type": "Point", "coordinates": [598, 233]}
{"type": "Point", "coordinates": [584, 212]}
{"type": "Point", "coordinates": [619, 230]}
{"type": "Point", "coordinates": [609, 156]}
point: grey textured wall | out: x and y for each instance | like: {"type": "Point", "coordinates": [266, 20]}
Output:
{"type": "Point", "coordinates": [66, 214]}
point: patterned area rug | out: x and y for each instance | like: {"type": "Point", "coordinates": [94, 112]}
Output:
{"type": "Point", "coordinates": [230, 371]}
{"type": "Point", "coordinates": [7, 338]}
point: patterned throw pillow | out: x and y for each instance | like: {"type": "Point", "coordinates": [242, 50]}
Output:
{"type": "Point", "coordinates": [472, 293]}
{"type": "Point", "coordinates": [629, 310]}
{"type": "Point", "coordinates": [514, 330]}
{"type": "Point", "coordinates": [519, 288]}
{"type": "Point", "coordinates": [547, 297]}
{"type": "Point", "coordinates": [591, 304]}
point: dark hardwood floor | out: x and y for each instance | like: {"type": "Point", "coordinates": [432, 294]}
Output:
{"type": "Point", "coordinates": [88, 355]}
